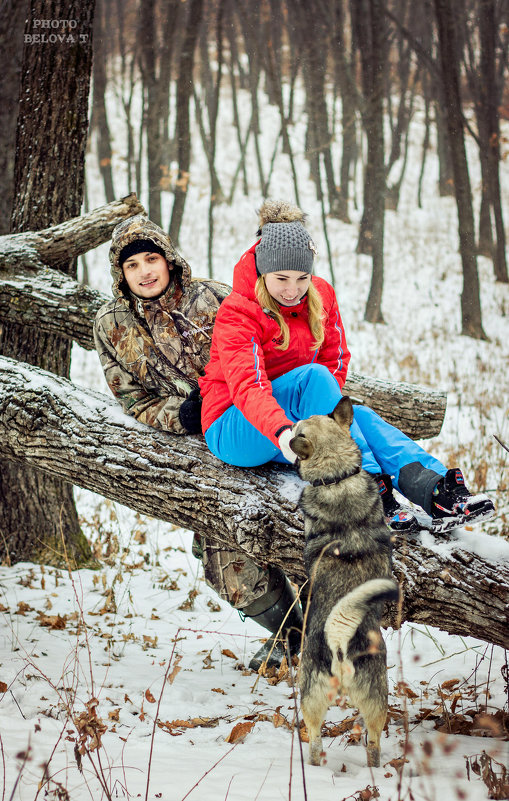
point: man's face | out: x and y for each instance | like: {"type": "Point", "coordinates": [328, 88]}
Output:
{"type": "Point", "coordinates": [147, 274]}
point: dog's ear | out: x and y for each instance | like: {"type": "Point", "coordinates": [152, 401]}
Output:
{"type": "Point", "coordinates": [302, 447]}
{"type": "Point", "coordinates": [343, 413]}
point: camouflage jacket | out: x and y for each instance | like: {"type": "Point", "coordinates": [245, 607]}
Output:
{"type": "Point", "coordinates": [153, 351]}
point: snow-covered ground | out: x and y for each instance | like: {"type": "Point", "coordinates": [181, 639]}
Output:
{"type": "Point", "coordinates": [176, 715]}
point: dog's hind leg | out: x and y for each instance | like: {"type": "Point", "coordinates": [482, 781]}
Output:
{"type": "Point", "coordinates": [314, 704]}
{"type": "Point", "coordinates": [375, 715]}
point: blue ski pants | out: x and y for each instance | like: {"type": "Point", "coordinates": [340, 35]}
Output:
{"type": "Point", "coordinates": [311, 389]}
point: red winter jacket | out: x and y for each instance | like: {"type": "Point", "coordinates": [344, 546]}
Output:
{"type": "Point", "coordinates": [244, 358]}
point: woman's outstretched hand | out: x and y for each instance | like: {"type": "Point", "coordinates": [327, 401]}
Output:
{"type": "Point", "coordinates": [284, 445]}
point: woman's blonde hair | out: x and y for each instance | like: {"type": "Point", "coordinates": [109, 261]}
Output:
{"type": "Point", "coordinates": [315, 313]}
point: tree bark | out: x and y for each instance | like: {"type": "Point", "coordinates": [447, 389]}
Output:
{"type": "Point", "coordinates": [344, 69]}
{"type": "Point", "coordinates": [38, 518]}
{"type": "Point", "coordinates": [471, 317]}
{"type": "Point", "coordinates": [184, 92]}
{"type": "Point", "coordinates": [83, 436]}
{"type": "Point", "coordinates": [370, 27]}
{"type": "Point", "coordinates": [99, 112]}
{"type": "Point", "coordinates": [488, 114]}
{"type": "Point", "coordinates": [33, 295]}
{"type": "Point", "coordinates": [314, 49]}
{"type": "Point", "coordinates": [12, 23]}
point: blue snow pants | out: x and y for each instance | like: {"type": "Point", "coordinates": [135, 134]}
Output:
{"type": "Point", "coordinates": [311, 389]}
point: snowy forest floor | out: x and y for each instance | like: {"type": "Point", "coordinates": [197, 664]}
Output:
{"type": "Point", "coordinates": [143, 657]}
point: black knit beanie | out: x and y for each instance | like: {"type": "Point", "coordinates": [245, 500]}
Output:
{"type": "Point", "coordinates": [139, 246]}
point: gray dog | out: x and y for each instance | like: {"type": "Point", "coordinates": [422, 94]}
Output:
{"type": "Point", "coordinates": [348, 562]}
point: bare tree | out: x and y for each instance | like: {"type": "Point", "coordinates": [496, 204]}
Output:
{"type": "Point", "coordinates": [99, 120]}
{"type": "Point", "coordinates": [370, 24]}
{"type": "Point", "coordinates": [447, 20]}
{"type": "Point", "coordinates": [35, 513]}
{"type": "Point", "coordinates": [480, 58]}
{"type": "Point", "coordinates": [12, 24]}
{"type": "Point", "coordinates": [344, 74]}
{"type": "Point", "coordinates": [183, 130]}
{"type": "Point", "coordinates": [156, 55]}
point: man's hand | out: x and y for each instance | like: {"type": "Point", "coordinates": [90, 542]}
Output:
{"type": "Point", "coordinates": [190, 412]}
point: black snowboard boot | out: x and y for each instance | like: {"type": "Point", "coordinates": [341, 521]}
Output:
{"type": "Point", "coordinates": [452, 502]}
{"type": "Point", "coordinates": [397, 516]}
{"type": "Point", "coordinates": [270, 611]}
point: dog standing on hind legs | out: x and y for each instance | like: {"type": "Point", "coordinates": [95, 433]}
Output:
{"type": "Point", "coordinates": [348, 562]}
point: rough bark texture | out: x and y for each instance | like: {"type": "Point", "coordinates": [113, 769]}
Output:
{"type": "Point", "coordinates": [12, 24]}
{"type": "Point", "coordinates": [38, 518]}
{"type": "Point", "coordinates": [50, 424]}
{"type": "Point", "coordinates": [69, 239]}
{"type": "Point", "coordinates": [184, 92]}
{"type": "Point", "coordinates": [471, 317]}
{"type": "Point", "coordinates": [32, 294]}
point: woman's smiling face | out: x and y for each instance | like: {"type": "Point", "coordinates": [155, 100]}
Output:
{"type": "Point", "coordinates": [287, 287]}
{"type": "Point", "coordinates": [147, 274]}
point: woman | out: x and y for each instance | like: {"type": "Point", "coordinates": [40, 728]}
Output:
{"type": "Point", "coordinates": [153, 341]}
{"type": "Point", "coordinates": [279, 354]}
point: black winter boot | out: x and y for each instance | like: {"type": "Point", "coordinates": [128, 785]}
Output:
{"type": "Point", "coordinates": [397, 516]}
{"type": "Point", "coordinates": [278, 603]}
{"type": "Point", "coordinates": [453, 503]}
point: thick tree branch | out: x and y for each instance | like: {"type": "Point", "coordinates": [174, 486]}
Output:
{"type": "Point", "coordinates": [62, 243]}
{"type": "Point", "coordinates": [85, 438]}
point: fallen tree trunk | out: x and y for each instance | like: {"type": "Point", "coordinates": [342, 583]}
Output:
{"type": "Point", "coordinates": [84, 437]}
{"type": "Point", "coordinates": [34, 295]}
{"type": "Point", "coordinates": [64, 242]}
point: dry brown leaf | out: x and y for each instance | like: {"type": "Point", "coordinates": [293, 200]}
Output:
{"type": "Point", "coordinates": [403, 689]}
{"type": "Point", "coordinates": [208, 662]}
{"type": "Point", "coordinates": [90, 728]}
{"type": "Point", "coordinates": [278, 719]}
{"type": "Point", "coordinates": [188, 604]}
{"type": "Point", "coordinates": [52, 621]}
{"type": "Point", "coordinates": [114, 714]}
{"type": "Point", "coordinates": [240, 732]}
{"type": "Point", "coordinates": [176, 670]}
{"type": "Point", "coordinates": [150, 698]}
{"type": "Point", "coordinates": [218, 690]}
{"type": "Point", "coordinates": [228, 653]}
{"type": "Point", "coordinates": [23, 608]}
{"type": "Point", "coordinates": [149, 642]}
{"type": "Point", "coordinates": [355, 734]}
{"type": "Point", "coordinates": [397, 763]}
{"type": "Point", "coordinates": [173, 726]}
{"type": "Point", "coordinates": [3, 687]}
{"type": "Point", "coordinates": [496, 725]}
{"type": "Point", "coordinates": [449, 684]}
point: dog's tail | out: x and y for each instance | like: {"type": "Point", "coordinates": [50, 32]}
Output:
{"type": "Point", "coordinates": [346, 617]}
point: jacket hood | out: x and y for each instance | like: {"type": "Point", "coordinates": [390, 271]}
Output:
{"type": "Point", "coordinates": [140, 227]}
{"type": "Point", "coordinates": [245, 275]}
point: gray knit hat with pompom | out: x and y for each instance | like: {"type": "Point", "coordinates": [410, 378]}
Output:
{"type": "Point", "coordinates": [285, 244]}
